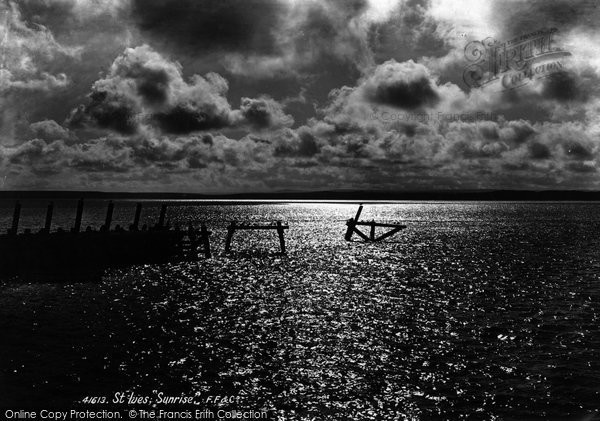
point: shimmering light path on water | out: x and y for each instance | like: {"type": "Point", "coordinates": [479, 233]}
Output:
{"type": "Point", "coordinates": [476, 311]}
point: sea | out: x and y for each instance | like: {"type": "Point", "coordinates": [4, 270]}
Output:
{"type": "Point", "coordinates": [476, 311]}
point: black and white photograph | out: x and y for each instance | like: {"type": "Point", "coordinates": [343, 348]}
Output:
{"type": "Point", "coordinates": [300, 210]}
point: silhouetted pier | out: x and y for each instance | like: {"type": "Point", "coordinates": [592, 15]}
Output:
{"type": "Point", "coordinates": [78, 252]}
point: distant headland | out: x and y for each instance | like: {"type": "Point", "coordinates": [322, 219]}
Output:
{"type": "Point", "coordinates": [322, 195]}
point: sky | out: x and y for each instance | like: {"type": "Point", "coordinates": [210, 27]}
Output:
{"type": "Point", "coordinates": [223, 96]}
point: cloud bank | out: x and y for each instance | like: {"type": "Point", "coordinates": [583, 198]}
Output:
{"type": "Point", "coordinates": [264, 95]}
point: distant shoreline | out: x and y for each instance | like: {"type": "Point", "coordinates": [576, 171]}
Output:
{"type": "Point", "coordinates": [338, 195]}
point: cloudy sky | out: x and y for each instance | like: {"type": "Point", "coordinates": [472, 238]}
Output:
{"type": "Point", "coordinates": [268, 95]}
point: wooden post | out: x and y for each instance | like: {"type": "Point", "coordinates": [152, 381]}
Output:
{"type": "Point", "coordinates": [109, 215]}
{"type": "Point", "coordinates": [230, 231]}
{"type": "Point", "coordinates": [136, 218]}
{"type": "Point", "coordinates": [163, 214]}
{"type": "Point", "coordinates": [78, 216]}
{"type": "Point", "coordinates": [357, 217]}
{"type": "Point", "coordinates": [351, 224]}
{"type": "Point", "coordinates": [281, 237]}
{"type": "Point", "coordinates": [49, 212]}
{"type": "Point", "coordinates": [372, 230]}
{"type": "Point", "coordinates": [16, 217]}
{"type": "Point", "coordinates": [205, 240]}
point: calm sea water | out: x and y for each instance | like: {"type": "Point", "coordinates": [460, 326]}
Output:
{"type": "Point", "coordinates": [483, 311]}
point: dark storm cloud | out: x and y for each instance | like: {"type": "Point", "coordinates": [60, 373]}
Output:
{"type": "Point", "coordinates": [109, 111]}
{"type": "Point", "coordinates": [264, 112]}
{"type": "Point", "coordinates": [464, 141]}
{"type": "Point", "coordinates": [489, 130]}
{"type": "Point", "coordinates": [539, 151]}
{"type": "Point", "coordinates": [405, 85]}
{"type": "Point", "coordinates": [142, 85]}
{"type": "Point", "coordinates": [299, 143]}
{"type": "Point", "coordinates": [577, 151]}
{"type": "Point", "coordinates": [473, 150]}
{"type": "Point", "coordinates": [144, 88]}
{"type": "Point", "coordinates": [409, 95]}
{"type": "Point", "coordinates": [563, 86]}
{"type": "Point", "coordinates": [518, 131]}
{"type": "Point", "coordinates": [209, 25]}
{"type": "Point", "coordinates": [152, 84]}
{"type": "Point", "coordinates": [186, 118]}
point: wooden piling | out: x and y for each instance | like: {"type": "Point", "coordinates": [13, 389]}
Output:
{"type": "Point", "coordinates": [49, 213]}
{"type": "Point", "coordinates": [163, 214]}
{"type": "Point", "coordinates": [109, 215]}
{"type": "Point", "coordinates": [78, 216]}
{"type": "Point", "coordinates": [16, 216]}
{"type": "Point", "coordinates": [230, 231]}
{"type": "Point", "coordinates": [281, 237]}
{"type": "Point", "coordinates": [372, 236]}
{"type": "Point", "coordinates": [351, 224]}
{"type": "Point", "coordinates": [357, 217]}
{"type": "Point", "coordinates": [136, 218]}
{"type": "Point", "coordinates": [205, 240]}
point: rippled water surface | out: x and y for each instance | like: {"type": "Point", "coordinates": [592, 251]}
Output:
{"type": "Point", "coordinates": [476, 311]}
